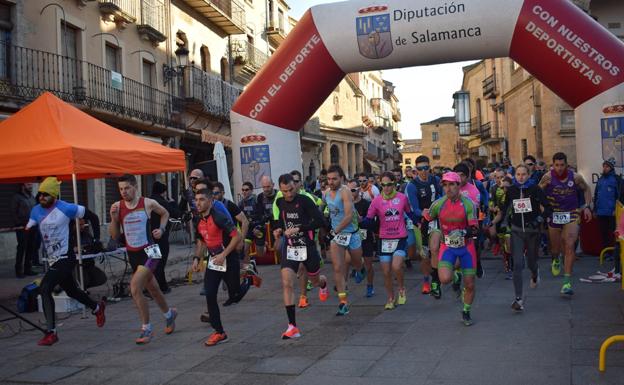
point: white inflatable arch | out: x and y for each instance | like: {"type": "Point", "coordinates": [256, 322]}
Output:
{"type": "Point", "coordinates": [554, 40]}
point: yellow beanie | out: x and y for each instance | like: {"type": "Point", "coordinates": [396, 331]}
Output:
{"type": "Point", "coordinates": [51, 186]}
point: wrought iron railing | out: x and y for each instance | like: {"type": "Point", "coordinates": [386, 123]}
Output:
{"type": "Point", "coordinates": [153, 14]}
{"type": "Point", "coordinates": [233, 10]}
{"type": "Point", "coordinates": [26, 73]}
{"type": "Point", "coordinates": [486, 130]}
{"type": "Point", "coordinates": [247, 54]}
{"type": "Point", "coordinates": [489, 86]}
{"type": "Point", "coordinates": [129, 7]}
{"type": "Point", "coordinates": [216, 95]}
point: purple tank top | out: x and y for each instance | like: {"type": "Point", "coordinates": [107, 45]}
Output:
{"type": "Point", "coordinates": [562, 195]}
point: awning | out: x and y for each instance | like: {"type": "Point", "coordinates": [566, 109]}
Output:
{"type": "Point", "coordinates": [376, 167]}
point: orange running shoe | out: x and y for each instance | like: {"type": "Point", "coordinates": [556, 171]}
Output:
{"type": "Point", "coordinates": [303, 302]}
{"type": "Point", "coordinates": [426, 288]}
{"type": "Point", "coordinates": [216, 338]}
{"type": "Point", "coordinates": [323, 291]}
{"type": "Point", "coordinates": [291, 332]}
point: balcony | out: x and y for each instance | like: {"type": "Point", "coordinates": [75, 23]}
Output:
{"type": "Point", "coordinates": [372, 151]}
{"type": "Point", "coordinates": [26, 73]}
{"type": "Point", "coordinates": [210, 94]}
{"type": "Point", "coordinates": [489, 87]}
{"type": "Point", "coordinates": [248, 60]}
{"type": "Point", "coordinates": [276, 32]}
{"type": "Point", "coordinates": [396, 114]}
{"type": "Point", "coordinates": [485, 131]}
{"type": "Point", "coordinates": [122, 12]}
{"type": "Point", "coordinates": [152, 25]}
{"type": "Point", "coordinates": [228, 15]}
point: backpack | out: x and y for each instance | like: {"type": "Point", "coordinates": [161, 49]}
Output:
{"type": "Point", "coordinates": [27, 300]}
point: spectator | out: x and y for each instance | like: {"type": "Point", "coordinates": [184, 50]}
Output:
{"type": "Point", "coordinates": [159, 194]}
{"type": "Point", "coordinates": [21, 205]}
{"type": "Point", "coordinates": [606, 193]}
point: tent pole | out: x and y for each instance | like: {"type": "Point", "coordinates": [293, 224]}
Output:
{"type": "Point", "coordinates": [78, 241]}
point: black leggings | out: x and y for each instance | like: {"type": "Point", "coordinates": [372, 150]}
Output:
{"type": "Point", "coordinates": [212, 279]}
{"type": "Point", "coordinates": [61, 274]}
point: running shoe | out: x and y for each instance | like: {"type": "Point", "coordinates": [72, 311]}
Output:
{"type": "Point", "coordinates": [309, 285]}
{"type": "Point", "coordinates": [145, 337]}
{"type": "Point", "coordinates": [517, 305]}
{"type": "Point", "coordinates": [436, 290]}
{"type": "Point", "coordinates": [291, 332]}
{"type": "Point", "coordinates": [370, 291]}
{"type": "Point", "coordinates": [256, 280]}
{"type": "Point", "coordinates": [426, 288]}
{"type": "Point", "coordinates": [100, 317]}
{"type": "Point", "coordinates": [389, 304]}
{"type": "Point", "coordinates": [303, 302]}
{"type": "Point", "coordinates": [466, 319]}
{"type": "Point", "coordinates": [566, 289]}
{"type": "Point", "coordinates": [402, 297]}
{"type": "Point", "coordinates": [170, 321]}
{"type": "Point", "coordinates": [555, 267]}
{"type": "Point", "coordinates": [343, 309]}
{"type": "Point", "coordinates": [49, 339]}
{"type": "Point", "coordinates": [360, 275]}
{"type": "Point", "coordinates": [323, 291]}
{"type": "Point", "coordinates": [216, 338]}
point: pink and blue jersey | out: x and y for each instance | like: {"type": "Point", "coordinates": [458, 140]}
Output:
{"type": "Point", "coordinates": [471, 192]}
{"type": "Point", "coordinates": [453, 215]}
{"type": "Point", "coordinates": [391, 215]}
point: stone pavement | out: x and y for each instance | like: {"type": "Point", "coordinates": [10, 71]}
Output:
{"type": "Point", "coordinates": [555, 341]}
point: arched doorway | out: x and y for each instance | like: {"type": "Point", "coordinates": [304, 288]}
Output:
{"type": "Point", "coordinates": [334, 154]}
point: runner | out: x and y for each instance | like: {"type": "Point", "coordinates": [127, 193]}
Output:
{"type": "Point", "coordinates": [562, 187]}
{"type": "Point", "coordinates": [459, 222]}
{"type": "Point", "coordinates": [248, 206]}
{"type": "Point", "coordinates": [522, 209]}
{"type": "Point", "coordinates": [219, 236]}
{"type": "Point", "coordinates": [298, 218]}
{"type": "Point", "coordinates": [345, 234]}
{"type": "Point", "coordinates": [500, 234]}
{"type": "Point", "coordinates": [132, 214]}
{"type": "Point", "coordinates": [264, 214]}
{"type": "Point", "coordinates": [390, 208]}
{"type": "Point", "coordinates": [53, 216]}
{"type": "Point", "coordinates": [368, 241]}
{"type": "Point", "coordinates": [368, 190]}
{"type": "Point", "coordinates": [422, 191]}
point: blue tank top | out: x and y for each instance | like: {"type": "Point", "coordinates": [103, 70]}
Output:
{"type": "Point", "coordinates": [337, 212]}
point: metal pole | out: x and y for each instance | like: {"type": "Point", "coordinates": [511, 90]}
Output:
{"type": "Point", "coordinates": [78, 242]}
{"type": "Point", "coordinates": [191, 228]}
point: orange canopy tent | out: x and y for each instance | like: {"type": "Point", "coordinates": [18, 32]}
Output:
{"type": "Point", "coordinates": [51, 137]}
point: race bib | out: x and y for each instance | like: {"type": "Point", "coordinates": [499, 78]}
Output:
{"type": "Point", "coordinates": [521, 206]}
{"type": "Point", "coordinates": [343, 239]}
{"type": "Point", "coordinates": [297, 253]}
{"type": "Point", "coordinates": [153, 251]}
{"type": "Point", "coordinates": [455, 239]}
{"type": "Point", "coordinates": [409, 224]}
{"type": "Point", "coordinates": [363, 233]}
{"type": "Point", "coordinates": [389, 245]}
{"type": "Point", "coordinates": [561, 218]}
{"type": "Point", "coordinates": [215, 267]}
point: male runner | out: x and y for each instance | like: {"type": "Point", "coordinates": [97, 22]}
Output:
{"type": "Point", "coordinates": [368, 242]}
{"type": "Point", "coordinates": [264, 213]}
{"type": "Point", "coordinates": [345, 233]}
{"type": "Point", "coordinates": [132, 215]}
{"type": "Point", "coordinates": [248, 206]}
{"type": "Point", "coordinates": [458, 220]}
{"type": "Point", "coordinates": [53, 215]}
{"type": "Point", "coordinates": [218, 235]}
{"type": "Point", "coordinates": [562, 187]}
{"type": "Point", "coordinates": [422, 191]}
{"type": "Point", "coordinates": [368, 190]}
{"type": "Point", "coordinates": [499, 233]}
{"type": "Point", "coordinates": [298, 218]}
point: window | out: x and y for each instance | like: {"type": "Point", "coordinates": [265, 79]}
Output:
{"type": "Point", "coordinates": [567, 120]}
{"type": "Point", "coordinates": [435, 136]}
{"type": "Point", "coordinates": [408, 161]}
{"type": "Point", "coordinates": [148, 73]}
{"type": "Point", "coordinates": [524, 148]}
{"type": "Point", "coordinates": [5, 39]}
{"type": "Point", "coordinates": [112, 58]}
{"type": "Point", "coordinates": [436, 153]}
{"type": "Point", "coordinates": [280, 19]}
{"type": "Point", "coordinates": [148, 69]}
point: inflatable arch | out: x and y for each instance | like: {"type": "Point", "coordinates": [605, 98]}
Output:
{"type": "Point", "coordinates": [553, 39]}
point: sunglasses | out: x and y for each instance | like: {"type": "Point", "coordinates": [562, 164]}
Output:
{"type": "Point", "coordinates": [363, 180]}
{"type": "Point", "coordinates": [216, 193]}
{"type": "Point", "coordinates": [423, 168]}
{"type": "Point", "coordinates": [530, 164]}
{"type": "Point", "coordinates": [387, 184]}
{"type": "Point", "coordinates": [354, 190]}
{"type": "Point", "coordinates": [245, 189]}
{"type": "Point", "coordinates": [193, 178]}
{"type": "Point", "coordinates": [297, 180]}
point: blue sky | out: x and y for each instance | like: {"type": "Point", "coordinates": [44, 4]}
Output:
{"type": "Point", "coordinates": [425, 93]}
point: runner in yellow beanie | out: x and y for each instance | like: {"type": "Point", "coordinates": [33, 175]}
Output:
{"type": "Point", "coordinates": [50, 186]}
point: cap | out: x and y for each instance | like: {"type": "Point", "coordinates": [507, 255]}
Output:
{"type": "Point", "coordinates": [50, 186]}
{"type": "Point", "coordinates": [451, 177]}
{"type": "Point", "coordinates": [610, 162]}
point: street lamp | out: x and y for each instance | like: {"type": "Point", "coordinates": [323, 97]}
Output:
{"type": "Point", "coordinates": [182, 53]}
